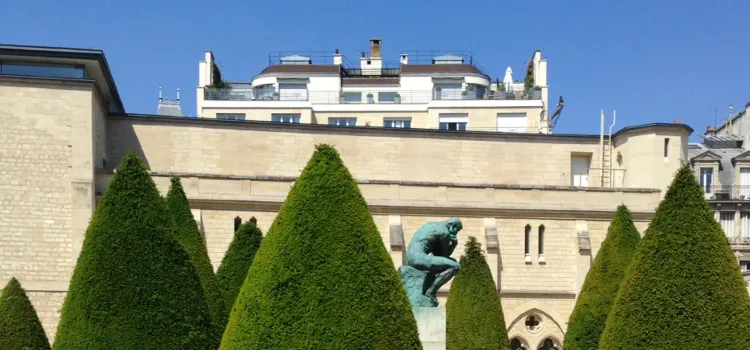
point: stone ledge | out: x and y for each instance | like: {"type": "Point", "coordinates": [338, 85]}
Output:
{"type": "Point", "coordinates": [399, 182]}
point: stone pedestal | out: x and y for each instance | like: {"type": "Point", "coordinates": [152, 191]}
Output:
{"type": "Point", "coordinates": [431, 325]}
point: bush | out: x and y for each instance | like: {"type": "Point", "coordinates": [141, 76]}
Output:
{"type": "Point", "coordinates": [189, 237]}
{"type": "Point", "coordinates": [589, 316]}
{"type": "Point", "coordinates": [133, 286]}
{"type": "Point", "coordinates": [474, 315]}
{"type": "Point", "coordinates": [20, 327]}
{"type": "Point", "coordinates": [684, 288]}
{"type": "Point", "coordinates": [322, 278]}
{"type": "Point", "coordinates": [237, 260]}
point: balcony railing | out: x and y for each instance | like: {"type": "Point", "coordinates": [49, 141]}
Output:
{"type": "Point", "coordinates": [739, 240]}
{"type": "Point", "coordinates": [733, 192]}
{"type": "Point", "coordinates": [336, 97]}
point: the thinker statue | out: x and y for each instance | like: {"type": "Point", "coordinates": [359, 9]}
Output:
{"type": "Point", "coordinates": [428, 262]}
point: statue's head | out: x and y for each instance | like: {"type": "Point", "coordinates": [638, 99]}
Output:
{"type": "Point", "coordinates": [454, 225]}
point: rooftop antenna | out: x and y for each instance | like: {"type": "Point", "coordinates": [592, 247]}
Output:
{"type": "Point", "coordinates": [731, 129]}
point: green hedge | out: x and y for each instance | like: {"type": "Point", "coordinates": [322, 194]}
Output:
{"type": "Point", "coordinates": [684, 288]}
{"type": "Point", "coordinates": [474, 315]}
{"type": "Point", "coordinates": [322, 279]}
{"type": "Point", "coordinates": [20, 327]}
{"type": "Point", "coordinates": [237, 260]}
{"type": "Point", "coordinates": [586, 323]}
{"type": "Point", "coordinates": [133, 286]}
{"type": "Point", "coordinates": [190, 239]}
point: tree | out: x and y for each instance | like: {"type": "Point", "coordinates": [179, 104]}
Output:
{"type": "Point", "coordinates": [20, 327]}
{"type": "Point", "coordinates": [133, 286]}
{"type": "Point", "coordinates": [322, 277]}
{"type": "Point", "coordinates": [237, 260]}
{"type": "Point", "coordinates": [189, 237]}
{"type": "Point", "coordinates": [589, 316]}
{"type": "Point", "coordinates": [474, 315]}
{"type": "Point", "coordinates": [684, 288]}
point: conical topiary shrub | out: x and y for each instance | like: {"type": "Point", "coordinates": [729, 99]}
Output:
{"type": "Point", "coordinates": [20, 327]}
{"type": "Point", "coordinates": [474, 315]}
{"type": "Point", "coordinates": [133, 286]}
{"type": "Point", "coordinates": [589, 316]}
{"type": "Point", "coordinates": [189, 237]}
{"type": "Point", "coordinates": [322, 278]}
{"type": "Point", "coordinates": [237, 260]}
{"type": "Point", "coordinates": [683, 289]}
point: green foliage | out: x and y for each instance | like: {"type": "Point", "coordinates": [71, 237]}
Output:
{"type": "Point", "coordinates": [529, 81]}
{"type": "Point", "coordinates": [684, 288]}
{"type": "Point", "coordinates": [588, 319]}
{"type": "Point", "coordinates": [189, 237]}
{"type": "Point", "coordinates": [474, 315]}
{"type": "Point", "coordinates": [237, 260]}
{"type": "Point", "coordinates": [20, 327]}
{"type": "Point", "coordinates": [133, 286]}
{"type": "Point", "coordinates": [322, 278]}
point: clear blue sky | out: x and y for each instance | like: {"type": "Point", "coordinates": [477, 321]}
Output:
{"type": "Point", "coordinates": [652, 61]}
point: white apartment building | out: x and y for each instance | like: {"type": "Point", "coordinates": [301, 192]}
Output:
{"type": "Point", "coordinates": [428, 90]}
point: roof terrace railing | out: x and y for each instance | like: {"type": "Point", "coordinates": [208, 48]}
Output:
{"type": "Point", "coordinates": [364, 96]}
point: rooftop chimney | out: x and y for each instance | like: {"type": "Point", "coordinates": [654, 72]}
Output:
{"type": "Point", "coordinates": [676, 121]}
{"type": "Point", "coordinates": [404, 58]}
{"type": "Point", "coordinates": [375, 48]}
{"type": "Point", "coordinates": [709, 129]}
{"type": "Point", "coordinates": [338, 58]}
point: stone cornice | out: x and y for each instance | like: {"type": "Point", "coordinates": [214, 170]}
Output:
{"type": "Point", "coordinates": [399, 182]}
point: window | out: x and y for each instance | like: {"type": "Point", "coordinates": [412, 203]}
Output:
{"type": "Point", "coordinates": [448, 91]}
{"type": "Point", "coordinates": [541, 240]}
{"type": "Point", "coordinates": [745, 227]}
{"type": "Point", "coordinates": [518, 344]}
{"type": "Point", "coordinates": [353, 97]}
{"type": "Point", "coordinates": [397, 123]}
{"type": "Point", "coordinates": [386, 97]}
{"type": "Point", "coordinates": [527, 241]}
{"type": "Point", "coordinates": [42, 70]}
{"type": "Point", "coordinates": [454, 122]}
{"type": "Point", "coordinates": [285, 118]}
{"type": "Point", "coordinates": [579, 170]}
{"type": "Point", "coordinates": [706, 179]}
{"type": "Point", "coordinates": [727, 223]}
{"type": "Point", "coordinates": [511, 122]}
{"type": "Point", "coordinates": [666, 148]}
{"type": "Point", "coordinates": [744, 190]}
{"type": "Point", "coordinates": [342, 121]}
{"type": "Point", "coordinates": [293, 92]}
{"type": "Point", "coordinates": [237, 223]}
{"type": "Point", "coordinates": [264, 92]}
{"type": "Point", "coordinates": [230, 116]}
{"type": "Point", "coordinates": [549, 344]}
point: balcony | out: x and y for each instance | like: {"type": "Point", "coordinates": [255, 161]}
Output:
{"type": "Point", "coordinates": [739, 240]}
{"type": "Point", "coordinates": [246, 94]}
{"type": "Point", "coordinates": [728, 193]}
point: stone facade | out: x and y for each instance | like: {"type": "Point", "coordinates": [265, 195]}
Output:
{"type": "Point", "coordinates": [59, 145]}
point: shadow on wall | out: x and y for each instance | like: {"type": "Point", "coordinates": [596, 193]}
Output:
{"type": "Point", "coordinates": [122, 139]}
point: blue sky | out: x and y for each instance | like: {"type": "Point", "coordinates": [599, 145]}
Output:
{"type": "Point", "coordinates": [652, 61]}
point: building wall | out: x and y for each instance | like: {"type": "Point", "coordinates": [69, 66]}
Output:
{"type": "Point", "coordinates": [642, 156]}
{"type": "Point", "coordinates": [46, 184]}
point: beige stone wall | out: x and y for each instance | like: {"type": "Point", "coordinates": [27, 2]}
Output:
{"type": "Point", "coordinates": [282, 150]}
{"type": "Point", "coordinates": [642, 156]}
{"type": "Point", "coordinates": [46, 153]}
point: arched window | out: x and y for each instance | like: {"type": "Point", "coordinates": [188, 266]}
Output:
{"type": "Point", "coordinates": [237, 223]}
{"type": "Point", "coordinates": [527, 241]}
{"type": "Point", "coordinates": [517, 344]}
{"type": "Point", "coordinates": [549, 344]}
{"type": "Point", "coordinates": [541, 240]}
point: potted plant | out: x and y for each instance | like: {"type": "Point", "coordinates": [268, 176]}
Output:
{"type": "Point", "coordinates": [275, 95]}
{"type": "Point", "coordinates": [370, 98]}
{"type": "Point", "coordinates": [397, 98]}
{"type": "Point", "coordinates": [438, 94]}
{"type": "Point", "coordinates": [342, 97]}
{"type": "Point", "coordinates": [464, 95]}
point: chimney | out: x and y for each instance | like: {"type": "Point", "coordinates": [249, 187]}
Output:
{"type": "Point", "coordinates": [676, 121]}
{"type": "Point", "coordinates": [375, 48]}
{"type": "Point", "coordinates": [404, 58]}
{"type": "Point", "coordinates": [338, 58]}
{"type": "Point", "coordinates": [709, 129]}
{"type": "Point", "coordinates": [178, 94]}
{"type": "Point", "coordinates": [160, 98]}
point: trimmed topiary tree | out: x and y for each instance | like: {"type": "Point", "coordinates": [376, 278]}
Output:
{"type": "Point", "coordinates": [322, 279]}
{"type": "Point", "coordinates": [586, 323]}
{"type": "Point", "coordinates": [189, 237]}
{"type": "Point", "coordinates": [684, 288]}
{"type": "Point", "coordinates": [474, 315]}
{"type": "Point", "coordinates": [20, 327]}
{"type": "Point", "coordinates": [237, 260]}
{"type": "Point", "coordinates": [133, 286]}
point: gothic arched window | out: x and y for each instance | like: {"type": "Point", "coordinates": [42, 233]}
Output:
{"type": "Point", "coordinates": [527, 241]}
{"type": "Point", "coordinates": [548, 344]}
{"type": "Point", "coordinates": [517, 344]}
{"type": "Point", "coordinates": [541, 239]}
{"type": "Point", "coordinates": [237, 223]}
